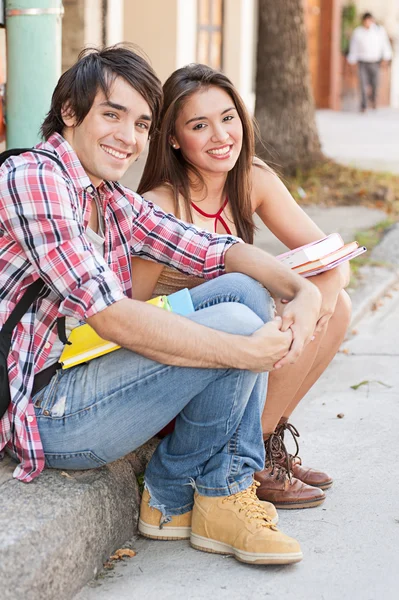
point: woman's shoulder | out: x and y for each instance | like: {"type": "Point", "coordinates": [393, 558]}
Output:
{"type": "Point", "coordinates": [162, 196]}
{"type": "Point", "coordinates": [264, 179]}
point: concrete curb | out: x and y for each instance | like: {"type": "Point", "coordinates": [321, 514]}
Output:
{"type": "Point", "coordinates": [56, 532]}
{"type": "Point", "coordinates": [376, 282]}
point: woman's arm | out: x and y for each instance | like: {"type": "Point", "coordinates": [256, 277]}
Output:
{"type": "Point", "coordinates": [278, 210]}
{"type": "Point", "coordinates": [146, 273]}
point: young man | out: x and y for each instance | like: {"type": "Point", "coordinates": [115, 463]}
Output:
{"type": "Point", "coordinates": [369, 46]}
{"type": "Point", "coordinates": [76, 228]}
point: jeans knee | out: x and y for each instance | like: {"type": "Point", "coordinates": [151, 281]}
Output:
{"type": "Point", "coordinates": [241, 319]}
{"type": "Point", "coordinates": [252, 294]}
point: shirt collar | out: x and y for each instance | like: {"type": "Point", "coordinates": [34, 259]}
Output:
{"type": "Point", "coordinates": [56, 143]}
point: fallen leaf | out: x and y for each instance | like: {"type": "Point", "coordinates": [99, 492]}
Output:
{"type": "Point", "coordinates": [340, 415]}
{"type": "Point", "coordinates": [65, 474]}
{"type": "Point", "coordinates": [109, 565]}
{"type": "Point", "coordinates": [367, 381]}
{"type": "Point", "coordinates": [122, 552]}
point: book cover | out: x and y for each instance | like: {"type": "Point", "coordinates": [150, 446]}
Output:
{"type": "Point", "coordinates": [313, 251]}
{"type": "Point", "coordinates": [84, 343]}
{"type": "Point", "coordinates": [316, 271]}
{"type": "Point", "coordinates": [327, 259]}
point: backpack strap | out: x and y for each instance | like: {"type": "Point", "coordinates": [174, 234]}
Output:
{"type": "Point", "coordinates": [17, 151]}
{"type": "Point", "coordinates": [36, 287]}
{"type": "Point", "coordinates": [20, 309]}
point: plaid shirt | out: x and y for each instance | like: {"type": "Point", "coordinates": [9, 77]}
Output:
{"type": "Point", "coordinates": [44, 212]}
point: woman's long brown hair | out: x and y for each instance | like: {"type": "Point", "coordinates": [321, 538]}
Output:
{"type": "Point", "coordinates": [168, 166]}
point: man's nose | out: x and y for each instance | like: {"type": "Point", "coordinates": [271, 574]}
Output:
{"type": "Point", "coordinates": [127, 135]}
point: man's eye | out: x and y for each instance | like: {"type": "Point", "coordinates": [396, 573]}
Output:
{"type": "Point", "coordinates": [199, 126]}
{"type": "Point", "coordinates": [144, 126]}
{"type": "Point", "coordinates": [112, 115]}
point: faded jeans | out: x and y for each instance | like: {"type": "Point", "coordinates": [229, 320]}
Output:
{"type": "Point", "coordinates": [95, 413]}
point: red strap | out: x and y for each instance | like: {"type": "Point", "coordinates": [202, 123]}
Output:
{"type": "Point", "coordinates": [217, 216]}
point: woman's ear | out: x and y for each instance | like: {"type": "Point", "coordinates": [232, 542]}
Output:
{"type": "Point", "coordinates": [68, 116]}
{"type": "Point", "coordinates": [173, 143]}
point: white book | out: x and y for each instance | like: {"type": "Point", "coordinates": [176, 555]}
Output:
{"type": "Point", "coordinates": [313, 251]}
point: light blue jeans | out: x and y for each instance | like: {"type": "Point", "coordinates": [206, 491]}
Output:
{"type": "Point", "coordinates": [95, 413]}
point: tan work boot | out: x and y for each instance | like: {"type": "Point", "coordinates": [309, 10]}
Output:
{"type": "Point", "coordinates": [151, 526]}
{"type": "Point", "coordinates": [238, 525]}
{"type": "Point", "coordinates": [307, 475]}
{"type": "Point", "coordinates": [179, 528]}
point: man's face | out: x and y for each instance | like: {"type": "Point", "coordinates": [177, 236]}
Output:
{"type": "Point", "coordinates": [113, 133]}
{"type": "Point", "coordinates": [367, 23]}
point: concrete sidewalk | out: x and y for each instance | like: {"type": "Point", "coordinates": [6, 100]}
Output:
{"type": "Point", "coordinates": [350, 543]}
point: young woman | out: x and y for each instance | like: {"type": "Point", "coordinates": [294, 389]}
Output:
{"type": "Point", "coordinates": [202, 167]}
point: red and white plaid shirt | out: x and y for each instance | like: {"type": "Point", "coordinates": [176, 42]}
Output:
{"type": "Point", "coordinates": [44, 212]}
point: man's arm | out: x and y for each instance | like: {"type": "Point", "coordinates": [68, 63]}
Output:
{"type": "Point", "coordinates": [173, 340]}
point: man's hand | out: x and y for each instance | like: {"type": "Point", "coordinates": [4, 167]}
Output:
{"type": "Point", "coordinates": [300, 315]}
{"type": "Point", "coordinates": [266, 346]}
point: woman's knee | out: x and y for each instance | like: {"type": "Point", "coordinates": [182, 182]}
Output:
{"type": "Point", "coordinates": [343, 310]}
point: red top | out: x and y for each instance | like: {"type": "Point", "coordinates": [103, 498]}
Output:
{"type": "Point", "coordinates": [217, 216]}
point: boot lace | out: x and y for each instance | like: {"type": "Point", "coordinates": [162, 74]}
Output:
{"type": "Point", "coordinates": [276, 452]}
{"type": "Point", "coordinates": [282, 428]}
{"type": "Point", "coordinates": [249, 504]}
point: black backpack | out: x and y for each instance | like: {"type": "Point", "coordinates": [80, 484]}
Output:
{"type": "Point", "coordinates": [20, 309]}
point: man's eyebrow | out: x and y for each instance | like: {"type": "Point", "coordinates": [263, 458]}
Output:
{"type": "Point", "coordinates": [206, 118]}
{"type": "Point", "coordinates": [122, 108]}
{"type": "Point", "coordinates": [114, 105]}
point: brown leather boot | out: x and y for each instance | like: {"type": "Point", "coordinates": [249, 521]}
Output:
{"type": "Point", "coordinates": [306, 475]}
{"type": "Point", "coordinates": [278, 486]}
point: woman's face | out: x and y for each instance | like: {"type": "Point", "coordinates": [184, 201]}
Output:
{"type": "Point", "coordinates": [209, 131]}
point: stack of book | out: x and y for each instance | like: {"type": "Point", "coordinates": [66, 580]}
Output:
{"type": "Point", "coordinates": [320, 256]}
{"type": "Point", "coordinates": [84, 343]}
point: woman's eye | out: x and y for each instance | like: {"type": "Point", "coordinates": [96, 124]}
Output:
{"type": "Point", "coordinates": [228, 118]}
{"type": "Point", "coordinates": [199, 126]}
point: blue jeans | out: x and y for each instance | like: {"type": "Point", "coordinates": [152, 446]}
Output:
{"type": "Point", "coordinates": [95, 413]}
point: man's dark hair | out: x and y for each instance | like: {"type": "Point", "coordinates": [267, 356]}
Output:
{"type": "Point", "coordinates": [96, 70]}
{"type": "Point", "coordinates": [367, 15]}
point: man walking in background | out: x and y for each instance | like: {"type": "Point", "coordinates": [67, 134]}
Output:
{"type": "Point", "coordinates": [369, 46]}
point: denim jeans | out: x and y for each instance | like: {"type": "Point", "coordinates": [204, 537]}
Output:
{"type": "Point", "coordinates": [95, 413]}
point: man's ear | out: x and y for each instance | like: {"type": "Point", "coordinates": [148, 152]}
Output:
{"type": "Point", "coordinates": [68, 116]}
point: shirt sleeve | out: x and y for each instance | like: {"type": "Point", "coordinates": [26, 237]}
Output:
{"type": "Point", "coordinates": [352, 57]}
{"type": "Point", "coordinates": [43, 217]}
{"type": "Point", "coordinates": [164, 238]}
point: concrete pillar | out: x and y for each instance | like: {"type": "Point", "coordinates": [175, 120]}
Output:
{"type": "Point", "coordinates": [33, 66]}
{"type": "Point", "coordinates": [239, 46]}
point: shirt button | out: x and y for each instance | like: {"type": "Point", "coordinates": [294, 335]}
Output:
{"type": "Point", "coordinates": [47, 345]}
{"type": "Point", "coordinates": [29, 419]}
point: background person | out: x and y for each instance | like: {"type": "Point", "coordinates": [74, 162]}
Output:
{"type": "Point", "coordinates": [201, 167]}
{"type": "Point", "coordinates": [369, 47]}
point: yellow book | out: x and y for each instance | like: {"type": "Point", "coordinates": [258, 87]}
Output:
{"type": "Point", "coordinates": [84, 343]}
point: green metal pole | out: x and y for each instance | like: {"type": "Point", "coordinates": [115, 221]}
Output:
{"type": "Point", "coordinates": [33, 29]}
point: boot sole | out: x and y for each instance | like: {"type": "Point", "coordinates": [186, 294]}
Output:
{"type": "Point", "coordinates": [303, 504]}
{"type": "Point", "coordinates": [167, 533]}
{"type": "Point", "coordinates": [170, 533]}
{"type": "Point", "coordinates": [324, 486]}
{"type": "Point", "coordinates": [266, 558]}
